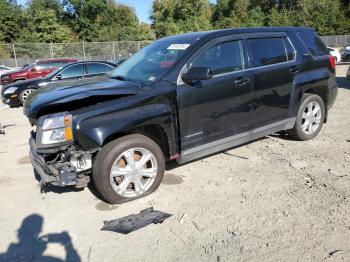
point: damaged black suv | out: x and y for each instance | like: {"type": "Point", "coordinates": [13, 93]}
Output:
{"type": "Point", "coordinates": [180, 98]}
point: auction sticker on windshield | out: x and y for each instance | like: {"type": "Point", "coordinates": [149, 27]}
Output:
{"type": "Point", "coordinates": [178, 46]}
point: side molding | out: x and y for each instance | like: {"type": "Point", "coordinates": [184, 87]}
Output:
{"type": "Point", "coordinates": [236, 140]}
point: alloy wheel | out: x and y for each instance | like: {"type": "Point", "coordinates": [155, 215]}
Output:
{"type": "Point", "coordinates": [133, 172]}
{"type": "Point", "coordinates": [311, 118]}
{"type": "Point", "coordinates": [26, 93]}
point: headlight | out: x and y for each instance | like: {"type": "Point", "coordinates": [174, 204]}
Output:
{"type": "Point", "coordinates": [55, 129]}
{"type": "Point", "coordinates": [10, 90]}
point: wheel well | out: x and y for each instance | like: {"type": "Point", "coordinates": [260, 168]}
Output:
{"type": "Point", "coordinates": [154, 132]}
{"type": "Point", "coordinates": [321, 91]}
{"type": "Point", "coordinates": [19, 79]}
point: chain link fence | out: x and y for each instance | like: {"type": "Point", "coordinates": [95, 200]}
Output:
{"type": "Point", "coordinates": [336, 40]}
{"type": "Point", "coordinates": [16, 55]}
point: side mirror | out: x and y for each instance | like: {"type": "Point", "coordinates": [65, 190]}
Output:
{"type": "Point", "coordinates": [58, 77]}
{"type": "Point", "coordinates": [197, 74]}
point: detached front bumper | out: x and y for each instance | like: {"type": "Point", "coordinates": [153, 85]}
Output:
{"type": "Point", "coordinates": [54, 172]}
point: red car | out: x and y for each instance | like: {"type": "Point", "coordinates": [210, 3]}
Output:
{"type": "Point", "coordinates": [37, 69]}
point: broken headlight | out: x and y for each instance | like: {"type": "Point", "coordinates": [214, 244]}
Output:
{"type": "Point", "coordinates": [54, 129]}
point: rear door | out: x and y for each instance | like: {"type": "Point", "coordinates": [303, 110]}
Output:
{"type": "Point", "coordinates": [219, 107]}
{"type": "Point", "coordinates": [273, 65]}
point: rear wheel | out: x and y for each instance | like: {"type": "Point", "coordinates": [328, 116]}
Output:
{"type": "Point", "coordinates": [24, 95]}
{"type": "Point", "coordinates": [310, 118]}
{"type": "Point", "coordinates": [128, 168]}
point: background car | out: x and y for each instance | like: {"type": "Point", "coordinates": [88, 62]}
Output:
{"type": "Point", "coordinates": [37, 69]}
{"type": "Point", "coordinates": [5, 69]}
{"type": "Point", "coordinates": [345, 55]}
{"type": "Point", "coordinates": [335, 53]}
{"type": "Point", "coordinates": [15, 94]}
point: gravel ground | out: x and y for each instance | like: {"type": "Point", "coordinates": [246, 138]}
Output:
{"type": "Point", "coordinates": [271, 200]}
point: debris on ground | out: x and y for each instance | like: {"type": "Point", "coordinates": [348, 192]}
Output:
{"type": "Point", "coordinates": [182, 218]}
{"type": "Point", "coordinates": [133, 222]}
{"type": "Point", "coordinates": [2, 130]}
{"type": "Point", "coordinates": [298, 164]}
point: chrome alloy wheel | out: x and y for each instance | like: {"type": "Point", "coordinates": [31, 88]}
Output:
{"type": "Point", "coordinates": [311, 118]}
{"type": "Point", "coordinates": [133, 172]}
{"type": "Point", "coordinates": [26, 93]}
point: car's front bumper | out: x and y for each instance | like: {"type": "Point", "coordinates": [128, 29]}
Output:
{"type": "Point", "coordinates": [11, 100]}
{"type": "Point", "coordinates": [56, 173]}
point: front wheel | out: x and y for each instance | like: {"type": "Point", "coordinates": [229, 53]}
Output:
{"type": "Point", "coordinates": [24, 95]}
{"type": "Point", "coordinates": [128, 168]}
{"type": "Point", "coordinates": [310, 118]}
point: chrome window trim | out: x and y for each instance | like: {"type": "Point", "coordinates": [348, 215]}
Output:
{"type": "Point", "coordinates": [239, 38]}
{"type": "Point", "coordinates": [179, 81]}
{"type": "Point", "coordinates": [281, 63]}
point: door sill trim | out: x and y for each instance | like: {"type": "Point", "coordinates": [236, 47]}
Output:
{"type": "Point", "coordinates": [236, 140]}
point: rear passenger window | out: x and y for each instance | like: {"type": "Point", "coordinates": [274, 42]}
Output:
{"type": "Point", "coordinates": [313, 43]}
{"type": "Point", "coordinates": [97, 68]}
{"type": "Point", "coordinates": [221, 58]}
{"type": "Point", "coordinates": [267, 51]}
{"type": "Point", "coordinates": [72, 71]}
{"type": "Point", "coordinates": [43, 66]}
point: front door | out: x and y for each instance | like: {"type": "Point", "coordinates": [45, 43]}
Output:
{"type": "Point", "coordinates": [220, 107]}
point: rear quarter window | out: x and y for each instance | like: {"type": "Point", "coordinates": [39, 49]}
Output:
{"type": "Point", "coordinates": [313, 42]}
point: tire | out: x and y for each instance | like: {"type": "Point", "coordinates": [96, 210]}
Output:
{"type": "Point", "coordinates": [24, 95]}
{"type": "Point", "coordinates": [299, 131]}
{"type": "Point", "coordinates": [113, 158]}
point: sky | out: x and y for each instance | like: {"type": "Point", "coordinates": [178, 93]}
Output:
{"type": "Point", "coordinates": [142, 7]}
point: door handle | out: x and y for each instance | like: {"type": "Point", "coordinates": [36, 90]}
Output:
{"type": "Point", "coordinates": [241, 81]}
{"type": "Point", "coordinates": [294, 69]}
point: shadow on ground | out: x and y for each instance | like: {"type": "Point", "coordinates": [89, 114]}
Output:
{"type": "Point", "coordinates": [343, 82]}
{"type": "Point", "coordinates": [31, 246]}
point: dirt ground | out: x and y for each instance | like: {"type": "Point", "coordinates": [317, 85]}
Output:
{"type": "Point", "coordinates": [271, 200]}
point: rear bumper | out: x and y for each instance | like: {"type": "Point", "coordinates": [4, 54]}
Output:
{"type": "Point", "coordinates": [333, 92]}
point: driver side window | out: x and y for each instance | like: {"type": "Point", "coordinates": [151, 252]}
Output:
{"type": "Point", "coordinates": [72, 71]}
{"type": "Point", "coordinates": [222, 58]}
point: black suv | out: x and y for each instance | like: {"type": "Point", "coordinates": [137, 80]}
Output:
{"type": "Point", "coordinates": [180, 98]}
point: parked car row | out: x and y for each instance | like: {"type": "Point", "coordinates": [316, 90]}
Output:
{"type": "Point", "coordinates": [34, 70]}
{"type": "Point", "coordinates": [16, 94]}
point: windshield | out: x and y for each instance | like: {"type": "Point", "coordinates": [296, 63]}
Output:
{"type": "Point", "coordinates": [154, 60]}
{"type": "Point", "coordinates": [26, 67]}
{"type": "Point", "coordinates": [54, 72]}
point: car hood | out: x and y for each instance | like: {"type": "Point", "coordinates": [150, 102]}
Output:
{"type": "Point", "coordinates": [27, 83]}
{"type": "Point", "coordinates": [70, 95]}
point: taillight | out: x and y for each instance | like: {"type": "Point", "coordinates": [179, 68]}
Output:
{"type": "Point", "coordinates": [332, 61]}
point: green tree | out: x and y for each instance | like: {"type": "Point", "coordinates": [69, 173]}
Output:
{"type": "Point", "coordinates": [172, 17]}
{"type": "Point", "coordinates": [10, 21]}
{"type": "Point", "coordinates": [44, 27]}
